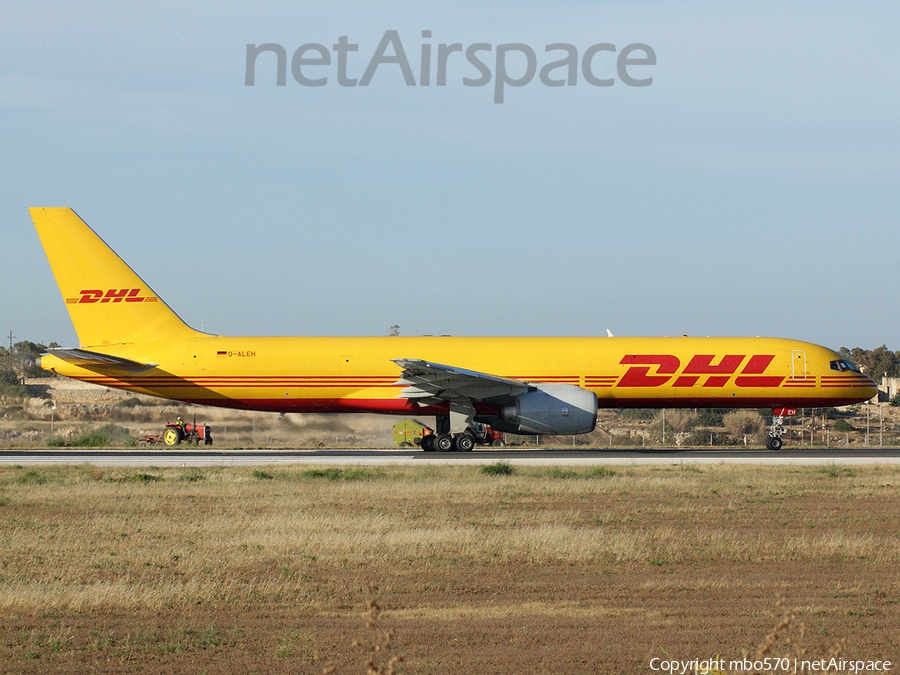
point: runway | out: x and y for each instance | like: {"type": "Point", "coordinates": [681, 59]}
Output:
{"type": "Point", "coordinates": [540, 457]}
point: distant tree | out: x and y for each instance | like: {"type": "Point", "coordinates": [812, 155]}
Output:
{"type": "Point", "coordinates": [22, 360]}
{"type": "Point", "coordinates": [681, 420]}
{"type": "Point", "coordinates": [25, 357]}
{"type": "Point", "coordinates": [655, 431]}
{"type": "Point", "coordinates": [637, 413]}
{"type": "Point", "coordinates": [880, 361]}
{"type": "Point", "coordinates": [710, 417]}
{"type": "Point", "coordinates": [740, 423]}
{"type": "Point", "coordinates": [10, 387]}
{"type": "Point", "coordinates": [28, 349]}
{"type": "Point", "coordinates": [842, 425]}
{"type": "Point", "coordinates": [875, 363]}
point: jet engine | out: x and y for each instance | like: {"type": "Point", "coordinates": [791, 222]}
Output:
{"type": "Point", "coordinates": [550, 409]}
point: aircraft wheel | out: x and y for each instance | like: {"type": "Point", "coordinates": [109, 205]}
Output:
{"type": "Point", "coordinates": [172, 436]}
{"type": "Point", "coordinates": [464, 443]}
{"type": "Point", "coordinates": [497, 443]}
{"type": "Point", "coordinates": [774, 443]}
{"type": "Point", "coordinates": [443, 443]}
{"type": "Point", "coordinates": [428, 443]}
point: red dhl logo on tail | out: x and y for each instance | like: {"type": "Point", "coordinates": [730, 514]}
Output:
{"type": "Point", "coordinates": [90, 296]}
{"type": "Point", "coordinates": [701, 366]}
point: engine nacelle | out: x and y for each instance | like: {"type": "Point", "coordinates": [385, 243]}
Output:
{"type": "Point", "coordinates": [558, 409]}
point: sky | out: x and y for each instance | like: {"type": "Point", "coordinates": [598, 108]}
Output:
{"type": "Point", "coordinates": [750, 189]}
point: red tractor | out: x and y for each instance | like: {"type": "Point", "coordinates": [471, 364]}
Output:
{"type": "Point", "coordinates": [179, 431]}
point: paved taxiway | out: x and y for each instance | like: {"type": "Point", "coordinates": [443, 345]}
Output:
{"type": "Point", "coordinates": [192, 457]}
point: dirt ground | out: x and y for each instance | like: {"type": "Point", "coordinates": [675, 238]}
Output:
{"type": "Point", "coordinates": [537, 571]}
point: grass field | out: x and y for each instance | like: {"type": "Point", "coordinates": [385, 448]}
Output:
{"type": "Point", "coordinates": [531, 570]}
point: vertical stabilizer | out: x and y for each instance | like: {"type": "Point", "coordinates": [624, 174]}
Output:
{"type": "Point", "coordinates": [108, 302]}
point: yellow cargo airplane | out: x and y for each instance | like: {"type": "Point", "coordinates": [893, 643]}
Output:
{"type": "Point", "coordinates": [130, 339]}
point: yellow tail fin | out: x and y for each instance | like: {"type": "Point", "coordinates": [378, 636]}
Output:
{"type": "Point", "coordinates": [107, 301]}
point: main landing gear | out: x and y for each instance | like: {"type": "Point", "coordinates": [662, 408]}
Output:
{"type": "Point", "coordinates": [445, 441]}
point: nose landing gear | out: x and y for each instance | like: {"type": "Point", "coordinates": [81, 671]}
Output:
{"type": "Point", "coordinates": [774, 442]}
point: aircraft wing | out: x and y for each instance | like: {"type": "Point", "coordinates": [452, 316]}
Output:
{"type": "Point", "coordinates": [430, 383]}
{"type": "Point", "coordinates": [96, 361]}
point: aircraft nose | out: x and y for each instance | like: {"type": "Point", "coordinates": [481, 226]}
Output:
{"type": "Point", "coordinates": [871, 389]}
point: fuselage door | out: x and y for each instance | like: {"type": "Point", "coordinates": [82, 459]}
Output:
{"type": "Point", "coordinates": [798, 364]}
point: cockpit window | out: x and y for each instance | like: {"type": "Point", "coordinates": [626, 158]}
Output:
{"type": "Point", "coordinates": [842, 366]}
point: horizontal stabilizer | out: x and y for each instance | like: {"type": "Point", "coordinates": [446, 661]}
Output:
{"type": "Point", "coordinates": [97, 361]}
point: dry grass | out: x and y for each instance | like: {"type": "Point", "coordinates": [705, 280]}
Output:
{"type": "Point", "coordinates": [257, 570]}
